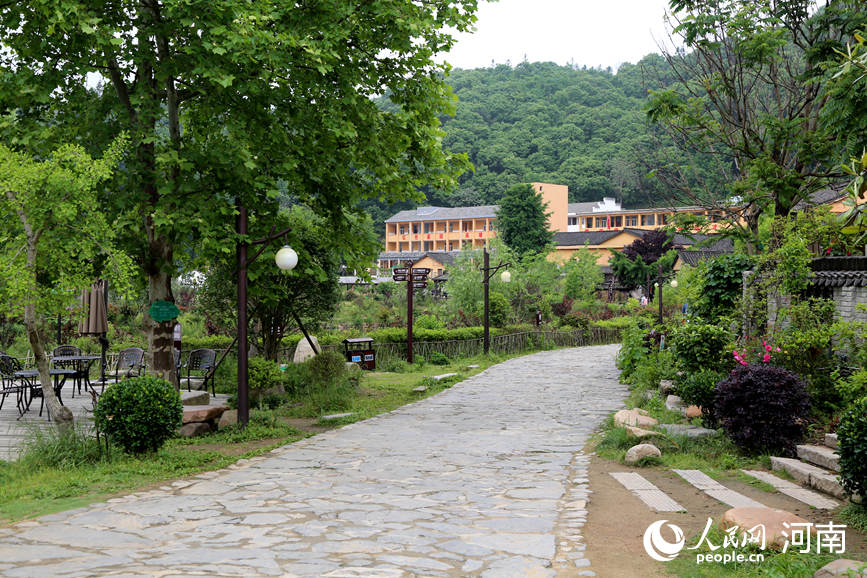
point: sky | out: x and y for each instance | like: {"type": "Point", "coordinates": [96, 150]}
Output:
{"type": "Point", "coordinates": [584, 32]}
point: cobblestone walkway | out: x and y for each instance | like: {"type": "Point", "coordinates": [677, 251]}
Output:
{"type": "Point", "coordinates": [486, 478]}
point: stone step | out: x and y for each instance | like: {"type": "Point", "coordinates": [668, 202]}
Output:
{"type": "Point", "coordinates": [195, 398]}
{"type": "Point", "coordinates": [831, 440]}
{"type": "Point", "coordinates": [822, 456]}
{"type": "Point", "coordinates": [810, 475]}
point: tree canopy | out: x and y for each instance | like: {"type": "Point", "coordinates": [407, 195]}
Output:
{"type": "Point", "coordinates": [522, 221]}
{"type": "Point", "coordinates": [229, 102]}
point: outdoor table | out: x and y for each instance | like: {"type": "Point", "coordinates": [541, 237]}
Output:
{"type": "Point", "coordinates": [82, 367]}
{"type": "Point", "coordinates": [58, 374]}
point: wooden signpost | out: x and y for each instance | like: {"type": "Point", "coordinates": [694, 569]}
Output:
{"type": "Point", "coordinates": [414, 279]}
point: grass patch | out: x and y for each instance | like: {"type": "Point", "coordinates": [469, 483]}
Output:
{"type": "Point", "coordinates": [855, 516]}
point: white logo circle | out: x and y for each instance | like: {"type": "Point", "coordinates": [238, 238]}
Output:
{"type": "Point", "coordinates": [658, 547]}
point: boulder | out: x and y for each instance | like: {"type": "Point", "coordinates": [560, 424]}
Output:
{"type": "Point", "coordinates": [674, 403]}
{"type": "Point", "coordinates": [637, 432]}
{"type": "Point", "coordinates": [692, 411]}
{"type": "Point", "coordinates": [195, 429]}
{"type": "Point", "coordinates": [229, 417]}
{"type": "Point", "coordinates": [641, 451]}
{"type": "Point", "coordinates": [634, 417]}
{"type": "Point", "coordinates": [666, 386]}
{"type": "Point", "coordinates": [303, 351]}
{"type": "Point", "coordinates": [419, 389]}
{"type": "Point", "coordinates": [842, 567]}
{"type": "Point", "coordinates": [197, 413]}
{"type": "Point", "coordinates": [772, 520]}
{"type": "Point", "coordinates": [351, 366]}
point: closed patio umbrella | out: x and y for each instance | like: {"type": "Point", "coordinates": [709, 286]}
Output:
{"type": "Point", "coordinates": [95, 321]}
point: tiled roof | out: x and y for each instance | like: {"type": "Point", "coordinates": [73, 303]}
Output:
{"type": "Point", "coordinates": [580, 208]}
{"type": "Point", "coordinates": [825, 196]}
{"type": "Point", "coordinates": [693, 257]}
{"type": "Point", "coordinates": [444, 257]}
{"type": "Point", "coordinates": [839, 272]}
{"type": "Point", "coordinates": [580, 238]}
{"type": "Point", "coordinates": [444, 213]}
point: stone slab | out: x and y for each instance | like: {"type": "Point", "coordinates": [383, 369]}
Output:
{"type": "Point", "coordinates": [196, 413]}
{"type": "Point", "coordinates": [821, 456]}
{"type": "Point", "coordinates": [842, 567]}
{"type": "Point", "coordinates": [334, 416]}
{"type": "Point", "coordinates": [690, 431]}
{"type": "Point", "coordinates": [648, 493]}
{"type": "Point", "coordinates": [443, 376]}
{"type": "Point", "coordinates": [716, 490]}
{"type": "Point", "coordinates": [195, 398]}
{"type": "Point", "coordinates": [674, 403]}
{"type": "Point", "coordinates": [793, 490]}
{"type": "Point", "coordinates": [831, 440]}
{"type": "Point", "coordinates": [810, 475]}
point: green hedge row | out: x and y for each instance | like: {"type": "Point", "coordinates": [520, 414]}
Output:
{"type": "Point", "coordinates": [398, 335]}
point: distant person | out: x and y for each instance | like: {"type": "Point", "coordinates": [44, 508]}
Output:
{"type": "Point", "coordinates": [644, 300]}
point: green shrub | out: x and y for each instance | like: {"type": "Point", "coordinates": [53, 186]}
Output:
{"type": "Point", "coordinates": [263, 374]}
{"type": "Point", "coordinates": [633, 349]}
{"type": "Point", "coordinates": [207, 342]}
{"type": "Point", "coordinates": [853, 387]}
{"type": "Point", "coordinates": [698, 389]}
{"type": "Point", "coordinates": [139, 414]}
{"type": "Point", "coordinates": [327, 366]}
{"type": "Point", "coordinates": [763, 408]}
{"type": "Point", "coordinates": [427, 321]}
{"type": "Point", "coordinates": [852, 440]}
{"type": "Point", "coordinates": [702, 346]}
{"type": "Point", "coordinates": [498, 309]}
{"type": "Point", "coordinates": [437, 358]}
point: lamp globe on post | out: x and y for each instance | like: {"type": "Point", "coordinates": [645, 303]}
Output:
{"type": "Point", "coordinates": [674, 283]}
{"type": "Point", "coordinates": [505, 277]}
{"type": "Point", "coordinates": [286, 258]}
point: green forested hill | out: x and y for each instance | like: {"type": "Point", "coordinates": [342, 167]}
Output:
{"type": "Point", "coordinates": [543, 122]}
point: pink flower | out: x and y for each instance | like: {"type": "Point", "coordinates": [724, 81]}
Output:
{"type": "Point", "coordinates": [766, 358]}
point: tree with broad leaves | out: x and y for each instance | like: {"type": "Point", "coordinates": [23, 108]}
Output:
{"type": "Point", "coordinates": [309, 292]}
{"type": "Point", "coordinates": [231, 103]}
{"type": "Point", "coordinates": [750, 94]}
{"type": "Point", "coordinates": [522, 220]}
{"type": "Point", "coordinates": [640, 260]}
{"type": "Point", "coordinates": [54, 240]}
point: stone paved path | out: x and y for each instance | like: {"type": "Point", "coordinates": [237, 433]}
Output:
{"type": "Point", "coordinates": [486, 478]}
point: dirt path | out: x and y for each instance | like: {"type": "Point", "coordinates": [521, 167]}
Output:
{"type": "Point", "coordinates": [617, 520]}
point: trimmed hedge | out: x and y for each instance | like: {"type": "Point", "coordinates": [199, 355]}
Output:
{"type": "Point", "coordinates": [140, 414]}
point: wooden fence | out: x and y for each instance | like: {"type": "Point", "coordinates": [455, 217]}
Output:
{"type": "Point", "coordinates": [510, 344]}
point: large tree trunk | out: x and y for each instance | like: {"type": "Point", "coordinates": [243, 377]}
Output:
{"type": "Point", "coordinates": [160, 334]}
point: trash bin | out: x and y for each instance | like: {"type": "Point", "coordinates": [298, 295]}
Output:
{"type": "Point", "coordinates": [360, 350]}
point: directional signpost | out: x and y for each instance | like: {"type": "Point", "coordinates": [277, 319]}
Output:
{"type": "Point", "coordinates": [415, 279]}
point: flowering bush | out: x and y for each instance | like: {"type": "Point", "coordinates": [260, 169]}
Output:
{"type": "Point", "coordinates": [753, 353]}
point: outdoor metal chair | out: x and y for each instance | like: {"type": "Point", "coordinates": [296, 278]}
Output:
{"type": "Point", "coordinates": [200, 368]}
{"type": "Point", "coordinates": [129, 364]}
{"type": "Point", "coordinates": [80, 367]}
{"type": "Point", "coordinates": [9, 384]}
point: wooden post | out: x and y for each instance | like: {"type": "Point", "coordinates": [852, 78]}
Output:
{"type": "Point", "coordinates": [409, 292]}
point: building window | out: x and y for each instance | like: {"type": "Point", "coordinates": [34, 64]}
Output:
{"type": "Point", "coordinates": [631, 220]}
{"type": "Point", "coordinates": [467, 226]}
{"type": "Point", "coordinates": [648, 220]}
{"type": "Point", "coordinates": [617, 221]}
{"type": "Point", "coordinates": [588, 222]}
{"type": "Point", "coordinates": [415, 228]}
{"type": "Point", "coordinates": [601, 222]}
{"type": "Point", "coordinates": [573, 220]}
{"type": "Point", "coordinates": [428, 246]}
{"type": "Point", "coordinates": [663, 218]}
{"type": "Point", "coordinates": [428, 227]}
{"type": "Point", "coordinates": [403, 230]}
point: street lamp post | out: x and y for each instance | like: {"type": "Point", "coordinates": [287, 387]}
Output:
{"type": "Point", "coordinates": [286, 259]}
{"type": "Point", "coordinates": [658, 285]}
{"type": "Point", "coordinates": [487, 273]}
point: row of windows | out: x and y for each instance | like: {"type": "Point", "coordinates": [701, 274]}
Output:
{"type": "Point", "coordinates": [464, 226]}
